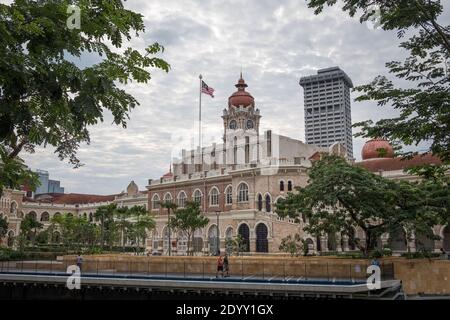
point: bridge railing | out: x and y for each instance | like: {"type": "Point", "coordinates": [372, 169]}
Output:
{"type": "Point", "coordinates": [241, 269]}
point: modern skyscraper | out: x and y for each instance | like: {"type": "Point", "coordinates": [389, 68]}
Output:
{"type": "Point", "coordinates": [327, 108]}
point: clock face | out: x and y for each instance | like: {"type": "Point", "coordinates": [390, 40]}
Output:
{"type": "Point", "coordinates": [233, 124]}
{"type": "Point", "coordinates": [249, 124]}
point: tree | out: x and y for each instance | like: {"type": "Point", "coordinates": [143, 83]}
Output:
{"type": "Point", "coordinates": [45, 97]}
{"type": "Point", "coordinates": [105, 215]}
{"type": "Point", "coordinates": [29, 228]}
{"type": "Point", "coordinates": [3, 227]}
{"type": "Point", "coordinates": [236, 245]}
{"type": "Point", "coordinates": [122, 216]}
{"type": "Point", "coordinates": [341, 196]}
{"type": "Point", "coordinates": [294, 245]}
{"type": "Point", "coordinates": [424, 106]}
{"type": "Point", "coordinates": [171, 207]}
{"type": "Point", "coordinates": [189, 219]}
{"type": "Point", "coordinates": [143, 224]}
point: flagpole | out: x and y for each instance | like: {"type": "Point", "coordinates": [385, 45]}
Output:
{"type": "Point", "coordinates": [200, 119]}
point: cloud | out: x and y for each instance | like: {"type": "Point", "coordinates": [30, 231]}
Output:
{"type": "Point", "coordinates": [275, 43]}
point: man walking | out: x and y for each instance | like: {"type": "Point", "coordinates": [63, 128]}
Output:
{"type": "Point", "coordinates": [79, 261]}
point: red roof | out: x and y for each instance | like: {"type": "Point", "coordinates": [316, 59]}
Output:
{"type": "Point", "coordinates": [391, 164]}
{"type": "Point", "coordinates": [73, 198]}
{"type": "Point", "coordinates": [241, 97]}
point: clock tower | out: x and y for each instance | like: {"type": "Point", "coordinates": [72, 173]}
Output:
{"type": "Point", "coordinates": [241, 119]}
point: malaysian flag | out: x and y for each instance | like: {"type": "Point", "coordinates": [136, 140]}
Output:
{"type": "Point", "coordinates": [207, 90]}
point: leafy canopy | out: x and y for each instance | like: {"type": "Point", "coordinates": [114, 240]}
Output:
{"type": "Point", "coordinates": [424, 105]}
{"type": "Point", "coordinates": [46, 97]}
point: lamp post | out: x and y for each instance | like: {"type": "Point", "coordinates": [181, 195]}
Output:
{"type": "Point", "coordinates": [218, 232]}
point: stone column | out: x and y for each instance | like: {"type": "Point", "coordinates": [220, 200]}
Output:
{"type": "Point", "coordinates": [345, 243]}
{"type": "Point", "coordinates": [252, 244]}
{"type": "Point", "coordinates": [338, 243]}
{"type": "Point", "coordinates": [412, 243]}
{"type": "Point", "coordinates": [324, 244]}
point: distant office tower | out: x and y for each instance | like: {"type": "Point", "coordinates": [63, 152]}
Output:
{"type": "Point", "coordinates": [327, 108]}
{"type": "Point", "coordinates": [47, 185]}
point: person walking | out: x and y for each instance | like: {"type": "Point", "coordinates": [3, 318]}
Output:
{"type": "Point", "coordinates": [219, 266]}
{"type": "Point", "coordinates": [79, 261]}
{"type": "Point", "coordinates": [226, 266]}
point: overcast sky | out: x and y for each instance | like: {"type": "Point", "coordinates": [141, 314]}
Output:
{"type": "Point", "coordinates": [275, 43]}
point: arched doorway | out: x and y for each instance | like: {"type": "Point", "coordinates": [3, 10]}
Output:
{"type": "Point", "coordinates": [229, 238]}
{"type": "Point", "coordinates": [10, 241]}
{"type": "Point", "coordinates": [213, 240]}
{"type": "Point", "coordinates": [331, 241]}
{"type": "Point", "coordinates": [166, 240]}
{"type": "Point", "coordinates": [262, 244]}
{"type": "Point", "coordinates": [244, 232]}
{"type": "Point", "coordinates": [425, 242]}
{"type": "Point", "coordinates": [309, 245]}
{"type": "Point", "coordinates": [182, 243]}
{"type": "Point", "coordinates": [351, 239]}
{"type": "Point", "coordinates": [397, 240]}
{"type": "Point", "coordinates": [197, 244]}
{"type": "Point", "coordinates": [446, 236]}
{"type": "Point", "coordinates": [319, 243]}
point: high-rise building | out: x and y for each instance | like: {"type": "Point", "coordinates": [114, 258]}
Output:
{"type": "Point", "coordinates": [47, 185]}
{"type": "Point", "coordinates": [327, 108]}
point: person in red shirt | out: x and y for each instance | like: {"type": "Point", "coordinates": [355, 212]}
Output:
{"type": "Point", "coordinates": [219, 266]}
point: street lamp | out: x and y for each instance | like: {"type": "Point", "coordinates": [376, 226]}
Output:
{"type": "Point", "coordinates": [218, 232]}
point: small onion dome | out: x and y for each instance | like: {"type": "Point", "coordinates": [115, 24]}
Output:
{"type": "Point", "coordinates": [377, 148]}
{"type": "Point", "coordinates": [241, 97]}
{"type": "Point", "coordinates": [169, 174]}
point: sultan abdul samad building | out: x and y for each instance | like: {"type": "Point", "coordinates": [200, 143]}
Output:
{"type": "Point", "coordinates": [237, 184]}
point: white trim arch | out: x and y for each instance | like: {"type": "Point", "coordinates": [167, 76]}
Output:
{"type": "Point", "coordinates": [156, 202]}
{"type": "Point", "coordinates": [214, 202]}
{"type": "Point", "coordinates": [170, 198]}
{"type": "Point", "coordinates": [197, 191]}
{"type": "Point", "coordinates": [242, 198]}
{"type": "Point", "coordinates": [14, 212]}
{"type": "Point", "coordinates": [226, 193]}
{"type": "Point", "coordinates": [269, 230]}
{"type": "Point", "coordinates": [181, 202]}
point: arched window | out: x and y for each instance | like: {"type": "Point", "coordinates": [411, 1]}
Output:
{"type": "Point", "coordinates": [182, 198]}
{"type": "Point", "coordinates": [281, 185]}
{"type": "Point", "coordinates": [260, 202]}
{"type": "Point", "coordinates": [85, 216]}
{"type": "Point", "coordinates": [213, 240]}
{"type": "Point", "coordinates": [229, 195]}
{"type": "Point", "coordinates": [57, 214]}
{"type": "Point", "coordinates": [45, 217]}
{"type": "Point", "coordinates": [198, 196]}
{"type": "Point", "coordinates": [289, 185]}
{"type": "Point", "coordinates": [268, 204]}
{"type": "Point", "coordinates": [10, 241]}
{"type": "Point", "coordinates": [243, 193]}
{"type": "Point", "coordinates": [262, 244]}
{"type": "Point", "coordinates": [167, 197]}
{"type": "Point", "coordinates": [13, 209]}
{"type": "Point", "coordinates": [244, 232]}
{"type": "Point", "coordinates": [33, 215]}
{"type": "Point", "coordinates": [214, 197]}
{"type": "Point", "coordinates": [155, 202]}
{"type": "Point", "coordinates": [91, 218]}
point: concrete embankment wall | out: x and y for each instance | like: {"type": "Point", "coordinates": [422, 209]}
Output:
{"type": "Point", "coordinates": [419, 276]}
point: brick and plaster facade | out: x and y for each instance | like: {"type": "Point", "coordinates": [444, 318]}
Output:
{"type": "Point", "coordinates": [237, 182]}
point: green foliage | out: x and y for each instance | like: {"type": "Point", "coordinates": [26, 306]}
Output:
{"type": "Point", "coordinates": [29, 230]}
{"type": "Point", "coordinates": [188, 219]}
{"type": "Point", "coordinates": [341, 196]}
{"type": "Point", "coordinates": [3, 227]}
{"type": "Point", "coordinates": [7, 254]}
{"type": "Point", "coordinates": [236, 246]}
{"type": "Point", "coordinates": [48, 99]}
{"type": "Point", "coordinates": [294, 245]}
{"type": "Point", "coordinates": [424, 105]}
